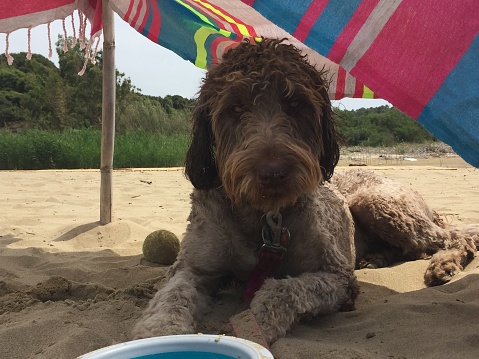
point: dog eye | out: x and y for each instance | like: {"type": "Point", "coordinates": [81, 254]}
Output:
{"type": "Point", "coordinates": [238, 109]}
{"type": "Point", "coordinates": [294, 103]}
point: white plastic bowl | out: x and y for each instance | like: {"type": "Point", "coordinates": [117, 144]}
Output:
{"type": "Point", "coordinates": [191, 346]}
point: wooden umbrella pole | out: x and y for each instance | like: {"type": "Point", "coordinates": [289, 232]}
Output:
{"type": "Point", "coordinates": [108, 113]}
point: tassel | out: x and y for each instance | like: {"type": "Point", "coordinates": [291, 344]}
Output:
{"type": "Point", "coordinates": [7, 54]}
{"type": "Point", "coordinates": [50, 51]}
{"type": "Point", "coordinates": [87, 57]}
{"type": "Point", "coordinates": [83, 31]}
{"type": "Point", "coordinates": [74, 41]}
{"type": "Point", "coordinates": [93, 55]}
{"type": "Point", "coordinates": [80, 22]}
{"type": "Point", "coordinates": [29, 53]}
{"type": "Point", "coordinates": [65, 37]}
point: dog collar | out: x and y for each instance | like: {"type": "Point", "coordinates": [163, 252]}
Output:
{"type": "Point", "coordinates": [270, 255]}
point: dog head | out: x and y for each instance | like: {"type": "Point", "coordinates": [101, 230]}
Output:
{"type": "Point", "coordinates": [262, 127]}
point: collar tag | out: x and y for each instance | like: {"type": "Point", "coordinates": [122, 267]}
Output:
{"type": "Point", "coordinates": [273, 233]}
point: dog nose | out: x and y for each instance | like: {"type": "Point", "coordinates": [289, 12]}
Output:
{"type": "Point", "coordinates": [273, 173]}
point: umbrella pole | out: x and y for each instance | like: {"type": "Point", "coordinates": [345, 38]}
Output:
{"type": "Point", "coordinates": [108, 113]}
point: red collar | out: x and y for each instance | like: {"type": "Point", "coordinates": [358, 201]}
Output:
{"type": "Point", "coordinates": [270, 256]}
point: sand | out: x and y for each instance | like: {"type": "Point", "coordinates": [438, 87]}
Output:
{"type": "Point", "coordinates": [69, 285]}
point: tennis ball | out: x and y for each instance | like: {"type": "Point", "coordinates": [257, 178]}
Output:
{"type": "Point", "coordinates": [161, 247]}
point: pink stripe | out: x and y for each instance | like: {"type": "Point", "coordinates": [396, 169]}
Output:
{"type": "Point", "coordinates": [340, 83]}
{"type": "Point", "coordinates": [19, 8]}
{"type": "Point", "coordinates": [97, 24]}
{"type": "Point", "coordinates": [411, 48]}
{"type": "Point", "coordinates": [154, 30]}
{"type": "Point", "coordinates": [309, 18]}
{"type": "Point", "coordinates": [348, 34]}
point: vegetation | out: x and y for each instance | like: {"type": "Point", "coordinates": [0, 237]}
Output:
{"type": "Point", "coordinates": [36, 94]}
{"type": "Point", "coordinates": [34, 149]}
{"type": "Point", "coordinates": [51, 118]}
{"type": "Point", "coordinates": [379, 127]}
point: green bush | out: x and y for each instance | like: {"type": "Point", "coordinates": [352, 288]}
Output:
{"type": "Point", "coordinates": [76, 149]}
{"type": "Point", "coordinates": [380, 126]}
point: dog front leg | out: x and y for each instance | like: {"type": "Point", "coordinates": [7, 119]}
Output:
{"type": "Point", "coordinates": [176, 307]}
{"type": "Point", "coordinates": [280, 302]}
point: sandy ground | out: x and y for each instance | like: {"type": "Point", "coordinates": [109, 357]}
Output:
{"type": "Point", "coordinates": [69, 285]}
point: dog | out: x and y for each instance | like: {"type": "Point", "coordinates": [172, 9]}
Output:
{"type": "Point", "coordinates": [261, 160]}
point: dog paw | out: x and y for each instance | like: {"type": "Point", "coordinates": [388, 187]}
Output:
{"type": "Point", "coordinates": [271, 326]}
{"type": "Point", "coordinates": [442, 268]}
{"type": "Point", "coordinates": [272, 307]}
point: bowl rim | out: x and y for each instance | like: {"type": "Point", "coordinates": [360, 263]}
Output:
{"type": "Point", "coordinates": [214, 343]}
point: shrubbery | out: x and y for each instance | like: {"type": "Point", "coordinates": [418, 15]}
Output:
{"type": "Point", "coordinates": [70, 149]}
{"type": "Point", "coordinates": [54, 118]}
{"type": "Point", "coordinates": [380, 126]}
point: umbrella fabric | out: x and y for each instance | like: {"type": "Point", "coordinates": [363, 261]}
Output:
{"type": "Point", "coordinates": [16, 15]}
{"type": "Point", "coordinates": [201, 31]}
{"type": "Point", "coordinates": [421, 56]}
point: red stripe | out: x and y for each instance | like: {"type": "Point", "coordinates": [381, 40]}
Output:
{"type": "Point", "coordinates": [248, 2]}
{"type": "Point", "coordinates": [137, 14]}
{"type": "Point", "coordinates": [412, 47]}
{"type": "Point", "coordinates": [145, 19]}
{"type": "Point", "coordinates": [214, 47]}
{"type": "Point", "coordinates": [340, 83]}
{"type": "Point", "coordinates": [154, 30]}
{"type": "Point", "coordinates": [358, 89]}
{"type": "Point", "coordinates": [97, 23]}
{"type": "Point", "coordinates": [348, 34]}
{"type": "Point", "coordinates": [309, 18]}
{"type": "Point", "coordinates": [249, 28]}
{"type": "Point", "coordinates": [128, 12]}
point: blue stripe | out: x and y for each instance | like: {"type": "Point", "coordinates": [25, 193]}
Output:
{"type": "Point", "coordinates": [333, 20]}
{"type": "Point", "coordinates": [286, 15]}
{"type": "Point", "coordinates": [452, 115]}
{"type": "Point", "coordinates": [178, 28]}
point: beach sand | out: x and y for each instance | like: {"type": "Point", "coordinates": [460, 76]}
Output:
{"type": "Point", "coordinates": [69, 285]}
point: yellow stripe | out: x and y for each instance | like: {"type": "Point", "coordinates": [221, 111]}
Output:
{"type": "Point", "coordinates": [367, 93]}
{"type": "Point", "coordinates": [199, 14]}
{"type": "Point", "coordinates": [200, 38]}
{"type": "Point", "coordinates": [242, 28]}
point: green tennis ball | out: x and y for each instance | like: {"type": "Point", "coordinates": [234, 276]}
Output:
{"type": "Point", "coordinates": [161, 247]}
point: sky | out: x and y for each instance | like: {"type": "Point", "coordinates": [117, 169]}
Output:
{"type": "Point", "coordinates": [152, 68]}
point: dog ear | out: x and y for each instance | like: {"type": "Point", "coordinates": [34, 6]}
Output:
{"type": "Point", "coordinates": [330, 155]}
{"type": "Point", "coordinates": [200, 163]}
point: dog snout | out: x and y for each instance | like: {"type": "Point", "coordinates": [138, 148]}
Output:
{"type": "Point", "coordinates": [273, 173]}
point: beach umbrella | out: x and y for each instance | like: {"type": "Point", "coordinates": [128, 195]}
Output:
{"type": "Point", "coordinates": [421, 56]}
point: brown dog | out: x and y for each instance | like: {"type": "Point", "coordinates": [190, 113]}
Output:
{"type": "Point", "coordinates": [262, 151]}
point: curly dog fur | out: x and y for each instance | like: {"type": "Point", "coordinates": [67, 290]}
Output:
{"type": "Point", "coordinates": [264, 140]}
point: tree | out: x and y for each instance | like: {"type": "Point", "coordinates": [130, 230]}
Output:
{"type": "Point", "coordinates": [31, 93]}
{"type": "Point", "coordinates": [380, 126]}
{"type": "Point", "coordinates": [84, 98]}
{"type": "Point", "coordinates": [84, 93]}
